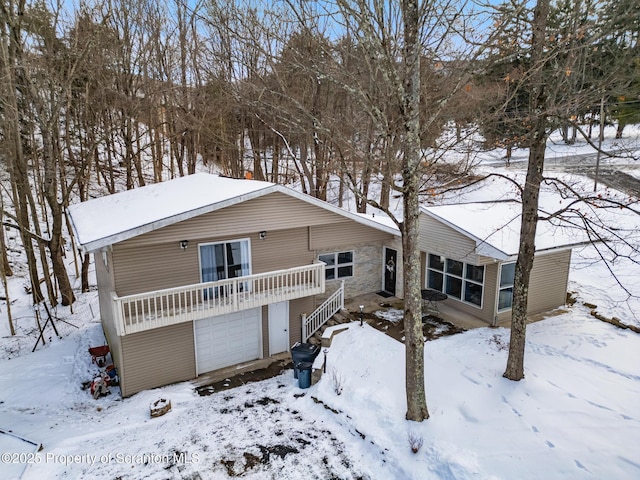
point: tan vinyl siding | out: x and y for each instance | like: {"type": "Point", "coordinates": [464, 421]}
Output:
{"type": "Point", "coordinates": [548, 283]}
{"type": "Point", "coordinates": [327, 237]}
{"type": "Point", "coordinates": [280, 249]}
{"type": "Point", "coordinates": [104, 277]}
{"type": "Point", "coordinates": [504, 316]}
{"type": "Point", "coordinates": [158, 357]}
{"type": "Point", "coordinates": [154, 267]}
{"type": "Point", "coordinates": [438, 238]}
{"type": "Point", "coordinates": [157, 266]}
{"type": "Point", "coordinates": [275, 211]}
{"type": "Point", "coordinates": [296, 309]}
{"type": "Point", "coordinates": [155, 261]}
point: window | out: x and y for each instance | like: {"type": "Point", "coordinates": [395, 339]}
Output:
{"type": "Point", "coordinates": [457, 279]}
{"type": "Point", "coordinates": [505, 295]}
{"type": "Point", "coordinates": [339, 265]}
{"type": "Point", "coordinates": [220, 261]}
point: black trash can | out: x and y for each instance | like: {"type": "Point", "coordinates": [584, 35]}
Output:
{"type": "Point", "coordinates": [303, 352]}
{"type": "Point", "coordinates": [304, 374]}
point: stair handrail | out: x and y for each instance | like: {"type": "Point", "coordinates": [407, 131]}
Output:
{"type": "Point", "coordinates": [321, 315]}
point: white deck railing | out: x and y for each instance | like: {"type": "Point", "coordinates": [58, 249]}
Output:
{"type": "Point", "coordinates": [323, 313]}
{"type": "Point", "coordinates": [160, 308]}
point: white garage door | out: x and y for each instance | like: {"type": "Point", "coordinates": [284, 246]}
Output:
{"type": "Point", "coordinates": [227, 339]}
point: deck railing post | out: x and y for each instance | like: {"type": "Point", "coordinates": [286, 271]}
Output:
{"type": "Point", "coordinates": [118, 316]}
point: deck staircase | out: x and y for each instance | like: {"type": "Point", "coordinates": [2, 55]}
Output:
{"type": "Point", "coordinates": [319, 318]}
{"type": "Point", "coordinates": [337, 319]}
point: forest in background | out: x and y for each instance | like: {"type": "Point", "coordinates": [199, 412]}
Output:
{"type": "Point", "coordinates": [124, 93]}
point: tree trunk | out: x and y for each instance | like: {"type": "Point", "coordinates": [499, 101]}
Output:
{"type": "Point", "coordinates": [387, 175]}
{"type": "Point", "coordinates": [11, 58]}
{"type": "Point", "coordinates": [414, 340]}
{"type": "Point", "coordinates": [84, 272]}
{"type": "Point", "coordinates": [5, 269]}
{"type": "Point", "coordinates": [365, 182]}
{"type": "Point", "coordinates": [530, 199]}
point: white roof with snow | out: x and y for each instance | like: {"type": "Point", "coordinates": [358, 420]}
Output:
{"type": "Point", "coordinates": [113, 218]}
{"type": "Point", "coordinates": [495, 227]}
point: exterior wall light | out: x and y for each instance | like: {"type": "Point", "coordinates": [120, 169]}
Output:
{"type": "Point", "coordinates": [263, 235]}
{"type": "Point", "coordinates": [184, 244]}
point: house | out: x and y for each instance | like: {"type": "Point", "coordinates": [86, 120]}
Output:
{"type": "Point", "coordinates": [469, 253]}
{"type": "Point", "coordinates": [204, 272]}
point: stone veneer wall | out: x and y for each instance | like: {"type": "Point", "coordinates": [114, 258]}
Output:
{"type": "Point", "coordinates": [367, 274]}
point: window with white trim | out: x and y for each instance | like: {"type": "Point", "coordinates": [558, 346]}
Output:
{"type": "Point", "coordinates": [505, 294]}
{"type": "Point", "coordinates": [457, 279]}
{"type": "Point", "coordinates": [339, 265]}
{"type": "Point", "coordinates": [222, 261]}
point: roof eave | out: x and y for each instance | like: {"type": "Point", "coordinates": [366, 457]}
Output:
{"type": "Point", "coordinates": [482, 246]}
{"type": "Point", "coordinates": [97, 244]}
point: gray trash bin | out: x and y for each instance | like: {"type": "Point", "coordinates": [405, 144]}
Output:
{"type": "Point", "coordinates": [303, 352]}
{"type": "Point", "coordinates": [304, 374]}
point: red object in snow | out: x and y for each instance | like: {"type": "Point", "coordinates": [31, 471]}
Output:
{"type": "Point", "coordinates": [100, 385]}
{"type": "Point", "coordinates": [99, 354]}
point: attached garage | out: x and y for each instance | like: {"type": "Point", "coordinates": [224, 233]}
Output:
{"type": "Point", "coordinates": [227, 339]}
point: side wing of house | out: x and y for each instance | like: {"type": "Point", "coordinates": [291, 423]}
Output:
{"type": "Point", "coordinates": [481, 286]}
{"type": "Point", "coordinates": [547, 284]}
{"type": "Point", "coordinates": [451, 264]}
{"type": "Point", "coordinates": [259, 236]}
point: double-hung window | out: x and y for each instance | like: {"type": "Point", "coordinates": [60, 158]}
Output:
{"type": "Point", "coordinates": [505, 295]}
{"type": "Point", "coordinates": [224, 260]}
{"type": "Point", "coordinates": [457, 279]}
{"type": "Point", "coordinates": [339, 265]}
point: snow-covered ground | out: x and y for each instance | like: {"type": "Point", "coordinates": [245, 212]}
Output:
{"type": "Point", "coordinates": [575, 415]}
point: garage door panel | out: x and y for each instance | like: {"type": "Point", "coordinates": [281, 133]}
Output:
{"type": "Point", "coordinates": [227, 339]}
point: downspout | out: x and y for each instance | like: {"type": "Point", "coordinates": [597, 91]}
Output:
{"type": "Point", "coordinates": [494, 323]}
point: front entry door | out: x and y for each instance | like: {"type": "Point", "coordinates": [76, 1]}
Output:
{"type": "Point", "coordinates": [278, 327]}
{"type": "Point", "coordinates": [390, 264]}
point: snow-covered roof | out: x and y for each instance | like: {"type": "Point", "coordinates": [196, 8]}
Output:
{"type": "Point", "coordinates": [495, 228]}
{"type": "Point", "coordinates": [113, 218]}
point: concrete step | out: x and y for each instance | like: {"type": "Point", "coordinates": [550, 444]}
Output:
{"type": "Point", "coordinates": [341, 317]}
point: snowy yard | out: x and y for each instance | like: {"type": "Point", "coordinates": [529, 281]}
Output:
{"type": "Point", "coordinates": [574, 416]}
